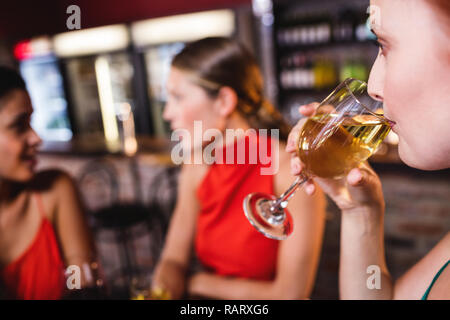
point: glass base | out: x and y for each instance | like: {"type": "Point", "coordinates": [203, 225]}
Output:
{"type": "Point", "coordinates": [274, 225]}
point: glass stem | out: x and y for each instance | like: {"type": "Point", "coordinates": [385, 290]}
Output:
{"type": "Point", "coordinates": [281, 203]}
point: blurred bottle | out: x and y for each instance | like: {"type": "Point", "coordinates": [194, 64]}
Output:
{"type": "Point", "coordinates": [362, 29]}
{"type": "Point", "coordinates": [324, 74]}
{"type": "Point", "coordinates": [354, 68]}
{"type": "Point", "coordinates": [343, 28]}
{"type": "Point", "coordinates": [305, 30]}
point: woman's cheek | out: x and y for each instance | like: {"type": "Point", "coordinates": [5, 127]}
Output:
{"type": "Point", "coordinates": [9, 156]}
{"type": "Point", "coordinates": [405, 102]}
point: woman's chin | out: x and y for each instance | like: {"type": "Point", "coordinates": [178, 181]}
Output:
{"type": "Point", "coordinates": [421, 161]}
{"type": "Point", "coordinates": [23, 177]}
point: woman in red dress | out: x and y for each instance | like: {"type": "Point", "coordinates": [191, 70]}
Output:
{"type": "Point", "coordinates": [215, 83]}
{"type": "Point", "coordinates": [42, 227]}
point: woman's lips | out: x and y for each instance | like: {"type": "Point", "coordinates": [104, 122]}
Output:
{"type": "Point", "coordinates": [392, 124]}
{"type": "Point", "coordinates": [31, 161]}
{"type": "Point", "coordinates": [393, 128]}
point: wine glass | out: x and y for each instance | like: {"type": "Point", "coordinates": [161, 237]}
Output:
{"type": "Point", "coordinates": [141, 288]}
{"type": "Point", "coordinates": [346, 130]}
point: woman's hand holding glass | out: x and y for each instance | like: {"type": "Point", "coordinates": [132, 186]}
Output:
{"type": "Point", "coordinates": [340, 134]}
{"type": "Point", "coordinates": [359, 190]}
{"type": "Point", "coordinates": [168, 281]}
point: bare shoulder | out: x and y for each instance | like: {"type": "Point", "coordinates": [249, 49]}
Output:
{"type": "Point", "coordinates": [438, 256]}
{"type": "Point", "coordinates": [441, 288]}
{"type": "Point", "coordinates": [442, 249]}
{"type": "Point", "coordinates": [192, 175]}
{"type": "Point", "coordinates": [414, 283]}
{"type": "Point", "coordinates": [53, 185]}
{"type": "Point", "coordinates": [52, 182]}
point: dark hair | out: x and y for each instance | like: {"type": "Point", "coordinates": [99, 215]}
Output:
{"type": "Point", "coordinates": [222, 62]}
{"type": "Point", "coordinates": [443, 8]}
{"type": "Point", "coordinates": [9, 81]}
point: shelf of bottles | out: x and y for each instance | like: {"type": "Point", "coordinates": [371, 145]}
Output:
{"type": "Point", "coordinates": [318, 44]}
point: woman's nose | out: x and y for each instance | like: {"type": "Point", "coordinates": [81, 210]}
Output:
{"type": "Point", "coordinates": [376, 96]}
{"type": "Point", "coordinates": [33, 139]}
{"type": "Point", "coordinates": [376, 80]}
{"type": "Point", "coordinates": [167, 114]}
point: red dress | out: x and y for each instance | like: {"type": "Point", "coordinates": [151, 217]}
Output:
{"type": "Point", "coordinates": [226, 242]}
{"type": "Point", "coordinates": [38, 274]}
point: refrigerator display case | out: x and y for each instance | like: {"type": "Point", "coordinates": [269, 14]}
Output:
{"type": "Point", "coordinates": [100, 87]}
{"type": "Point", "coordinates": [116, 75]}
{"type": "Point", "coordinates": [158, 40]}
{"type": "Point", "coordinates": [157, 61]}
{"type": "Point", "coordinates": [45, 84]}
{"type": "Point", "coordinates": [99, 71]}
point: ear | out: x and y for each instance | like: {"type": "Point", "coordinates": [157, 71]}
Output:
{"type": "Point", "coordinates": [226, 101]}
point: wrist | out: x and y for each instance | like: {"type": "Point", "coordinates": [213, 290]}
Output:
{"type": "Point", "coordinates": [363, 221]}
{"type": "Point", "coordinates": [375, 210]}
{"type": "Point", "coordinates": [195, 284]}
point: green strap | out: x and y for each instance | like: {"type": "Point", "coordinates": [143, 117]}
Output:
{"type": "Point", "coordinates": [425, 296]}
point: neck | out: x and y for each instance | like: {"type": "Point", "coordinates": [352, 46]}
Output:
{"type": "Point", "coordinates": [236, 122]}
{"type": "Point", "coordinates": [9, 190]}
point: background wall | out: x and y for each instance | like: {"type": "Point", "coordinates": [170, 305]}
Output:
{"type": "Point", "coordinates": [22, 19]}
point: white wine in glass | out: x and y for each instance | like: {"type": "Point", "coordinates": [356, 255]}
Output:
{"type": "Point", "coordinates": [342, 147]}
{"type": "Point", "coordinates": [346, 130]}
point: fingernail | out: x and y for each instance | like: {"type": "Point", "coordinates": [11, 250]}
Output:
{"type": "Point", "coordinates": [289, 145]}
{"type": "Point", "coordinates": [356, 176]}
{"type": "Point", "coordinates": [292, 145]}
{"type": "Point", "coordinates": [295, 168]}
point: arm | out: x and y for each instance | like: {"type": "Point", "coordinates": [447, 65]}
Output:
{"type": "Point", "coordinates": [76, 242]}
{"type": "Point", "coordinates": [414, 283]}
{"type": "Point", "coordinates": [170, 272]}
{"type": "Point", "coordinates": [360, 198]}
{"type": "Point", "coordinates": [363, 246]}
{"type": "Point", "coordinates": [298, 256]}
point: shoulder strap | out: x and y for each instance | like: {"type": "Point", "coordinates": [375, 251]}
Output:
{"type": "Point", "coordinates": [425, 296]}
{"type": "Point", "coordinates": [40, 205]}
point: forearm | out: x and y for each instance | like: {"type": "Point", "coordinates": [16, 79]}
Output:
{"type": "Point", "coordinates": [362, 256]}
{"type": "Point", "coordinates": [219, 287]}
{"type": "Point", "coordinates": [171, 276]}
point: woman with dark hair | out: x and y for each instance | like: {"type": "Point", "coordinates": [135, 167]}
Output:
{"type": "Point", "coordinates": [215, 82]}
{"type": "Point", "coordinates": [42, 226]}
{"type": "Point", "coordinates": [411, 76]}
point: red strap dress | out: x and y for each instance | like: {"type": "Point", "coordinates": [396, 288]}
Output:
{"type": "Point", "coordinates": [226, 242]}
{"type": "Point", "coordinates": [38, 274]}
